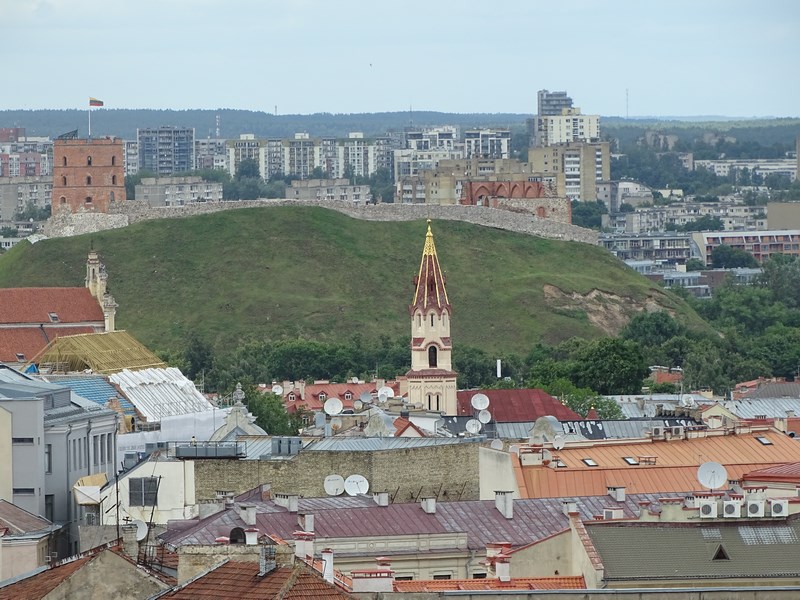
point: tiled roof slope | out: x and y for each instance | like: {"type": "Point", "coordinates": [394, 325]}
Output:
{"type": "Point", "coordinates": [786, 473]}
{"type": "Point", "coordinates": [33, 305]}
{"type": "Point", "coordinates": [674, 469]}
{"type": "Point", "coordinates": [29, 340]}
{"type": "Point", "coordinates": [515, 405]}
{"type": "Point", "coordinates": [647, 551]}
{"type": "Point", "coordinates": [19, 520]}
{"type": "Point", "coordinates": [41, 584]}
{"type": "Point", "coordinates": [240, 580]}
{"type": "Point", "coordinates": [527, 583]}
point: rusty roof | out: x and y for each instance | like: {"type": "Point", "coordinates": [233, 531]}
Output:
{"type": "Point", "coordinates": [19, 521]}
{"type": "Point", "coordinates": [240, 580]}
{"type": "Point", "coordinates": [29, 340]}
{"type": "Point", "coordinates": [522, 583]}
{"type": "Point", "coordinates": [516, 405]}
{"type": "Point", "coordinates": [39, 584]}
{"type": "Point", "coordinates": [789, 473]}
{"type": "Point", "coordinates": [659, 465]}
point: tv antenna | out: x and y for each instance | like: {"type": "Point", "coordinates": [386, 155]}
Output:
{"type": "Point", "coordinates": [333, 406]}
{"type": "Point", "coordinates": [712, 475]}
{"type": "Point", "coordinates": [334, 485]}
{"type": "Point", "coordinates": [355, 485]}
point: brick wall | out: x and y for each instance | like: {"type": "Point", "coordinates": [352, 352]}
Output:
{"type": "Point", "coordinates": [88, 175]}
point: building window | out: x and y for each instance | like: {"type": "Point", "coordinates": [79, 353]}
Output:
{"type": "Point", "coordinates": [113, 161]}
{"type": "Point", "coordinates": [479, 575]}
{"type": "Point", "coordinates": [322, 396]}
{"type": "Point", "coordinates": [88, 200]}
{"type": "Point", "coordinates": [110, 447]}
{"type": "Point", "coordinates": [113, 180]}
{"type": "Point", "coordinates": [49, 504]}
{"type": "Point", "coordinates": [88, 180]}
{"type": "Point", "coordinates": [237, 536]}
{"type": "Point", "coordinates": [143, 491]}
{"type": "Point", "coordinates": [103, 449]}
{"type": "Point", "coordinates": [53, 317]}
{"type": "Point", "coordinates": [22, 440]}
{"type": "Point", "coordinates": [764, 441]}
{"type": "Point", "coordinates": [589, 462]}
{"type": "Point", "coordinates": [48, 458]}
{"type": "Point", "coordinates": [95, 450]}
{"type": "Point", "coordinates": [62, 200]}
{"type": "Point", "coordinates": [630, 460]}
{"type": "Point", "coordinates": [432, 358]}
{"type": "Point", "coordinates": [65, 161]}
{"type": "Point", "coordinates": [89, 161]}
{"type": "Point", "coordinates": [23, 491]}
{"type": "Point", "coordinates": [64, 180]}
{"type": "Point", "coordinates": [442, 576]}
{"type": "Point", "coordinates": [112, 197]}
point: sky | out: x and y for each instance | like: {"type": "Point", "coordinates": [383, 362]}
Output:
{"type": "Point", "coordinates": [736, 58]}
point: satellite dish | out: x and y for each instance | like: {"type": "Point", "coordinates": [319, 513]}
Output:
{"type": "Point", "coordinates": [366, 398]}
{"type": "Point", "coordinates": [559, 442]}
{"type": "Point", "coordinates": [355, 485]}
{"type": "Point", "coordinates": [687, 400]}
{"type": "Point", "coordinates": [484, 416]}
{"type": "Point", "coordinates": [514, 448]}
{"type": "Point", "coordinates": [712, 475]}
{"type": "Point", "coordinates": [386, 391]}
{"type": "Point", "coordinates": [333, 406]}
{"type": "Point", "coordinates": [334, 485]}
{"type": "Point", "coordinates": [277, 390]}
{"type": "Point", "coordinates": [141, 529]}
{"type": "Point", "coordinates": [496, 445]}
{"type": "Point", "coordinates": [358, 405]}
{"type": "Point", "coordinates": [336, 423]}
{"type": "Point", "coordinates": [474, 426]}
{"type": "Point", "coordinates": [480, 402]}
{"type": "Point", "coordinates": [376, 427]}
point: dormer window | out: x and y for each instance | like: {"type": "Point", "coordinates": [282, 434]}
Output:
{"type": "Point", "coordinates": [323, 396]}
{"type": "Point", "coordinates": [53, 317]}
{"type": "Point", "coordinates": [20, 356]}
{"type": "Point", "coordinates": [291, 397]}
{"type": "Point", "coordinates": [348, 396]}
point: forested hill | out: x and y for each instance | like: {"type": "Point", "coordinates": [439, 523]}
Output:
{"type": "Point", "coordinates": [124, 122]}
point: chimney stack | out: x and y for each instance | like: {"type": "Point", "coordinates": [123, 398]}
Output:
{"type": "Point", "coordinates": [504, 502]}
{"type": "Point", "coordinates": [247, 512]}
{"type": "Point", "coordinates": [617, 493]}
{"type": "Point", "coordinates": [429, 505]}
{"type": "Point", "coordinates": [306, 522]}
{"type": "Point", "coordinates": [327, 565]}
{"type": "Point", "coordinates": [379, 580]}
{"type": "Point", "coordinates": [130, 544]}
{"type": "Point", "coordinates": [502, 568]}
{"type": "Point", "coordinates": [303, 544]}
{"type": "Point", "coordinates": [569, 506]}
{"type": "Point", "coordinates": [251, 536]}
{"type": "Point", "coordinates": [381, 498]}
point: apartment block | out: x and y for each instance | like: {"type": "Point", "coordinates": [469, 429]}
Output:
{"type": "Point", "coordinates": [662, 248]}
{"type": "Point", "coordinates": [569, 126]}
{"type": "Point", "coordinates": [210, 153]}
{"type": "Point", "coordinates": [487, 143]}
{"type": "Point", "coordinates": [17, 192]}
{"type": "Point", "coordinates": [761, 244]}
{"type": "Point", "coordinates": [328, 189]}
{"type": "Point", "coordinates": [576, 166]}
{"type": "Point", "coordinates": [177, 191]}
{"type": "Point", "coordinates": [762, 167]}
{"type": "Point", "coordinates": [550, 104]}
{"type": "Point", "coordinates": [166, 150]}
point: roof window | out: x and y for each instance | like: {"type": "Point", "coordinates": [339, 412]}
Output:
{"type": "Point", "coordinates": [20, 356]}
{"type": "Point", "coordinates": [630, 460]}
{"type": "Point", "coordinates": [763, 440]}
{"type": "Point", "coordinates": [589, 462]}
{"type": "Point", "coordinates": [53, 317]}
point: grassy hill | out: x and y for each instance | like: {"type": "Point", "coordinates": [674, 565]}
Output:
{"type": "Point", "coordinates": [317, 274]}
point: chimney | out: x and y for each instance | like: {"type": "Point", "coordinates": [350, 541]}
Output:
{"type": "Point", "coordinates": [303, 544]}
{"type": "Point", "coordinates": [306, 522]}
{"type": "Point", "coordinates": [374, 580]}
{"type": "Point", "coordinates": [251, 536]}
{"type": "Point", "coordinates": [569, 506]}
{"type": "Point", "coordinates": [502, 568]}
{"type": "Point", "coordinates": [130, 545]}
{"type": "Point", "coordinates": [617, 493]}
{"type": "Point", "coordinates": [266, 491]}
{"type": "Point", "coordinates": [429, 505]}
{"type": "Point", "coordinates": [247, 512]}
{"type": "Point", "coordinates": [287, 501]}
{"type": "Point", "coordinates": [327, 565]}
{"type": "Point", "coordinates": [381, 498]}
{"type": "Point", "coordinates": [504, 502]}
{"type": "Point", "coordinates": [302, 387]}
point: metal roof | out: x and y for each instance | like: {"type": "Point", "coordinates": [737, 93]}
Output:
{"type": "Point", "coordinates": [97, 389]}
{"type": "Point", "coordinates": [516, 405]}
{"type": "Point", "coordinates": [158, 393]}
{"type": "Point", "coordinates": [750, 408]}
{"type": "Point", "coordinates": [355, 444]}
{"type": "Point", "coordinates": [346, 517]}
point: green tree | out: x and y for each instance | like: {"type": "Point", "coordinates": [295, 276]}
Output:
{"type": "Point", "coordinates": [704, 223]}
{"type": "Point", "coordinates": [32, 212]}
{"type": "Point", "coordinates": [248, 169]}
{"type": "Point", "coordinates": [781, 276]}
{"type": "Point", "coordinates": [271, 414]}
{"type": "Point", "coordinates": [588, 214]}
{"type": "Point", "coordinates": [728, 257]}
{"type": "Point", "coordinates": [695, 264]}
{"type": "Point", "coordinates": [9, 232]}
{"type": "Point", "coordinates": [650, 329]}
{"type": "Point", "coordinates": [198, 354]}
{"type": "Point", "coordinates": [582, 400]}
{"type": "Point", "coordinates": [610, 366]}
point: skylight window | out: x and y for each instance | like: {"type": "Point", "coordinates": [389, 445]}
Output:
{"type": "Point", "coordinates": [589, 462]}
{"type": "Point", "coordinates": [630, 460]}
{"type": "Point", "coordinates": [20, 356]}
{"type": "Point", "coordinates": [763, 440]}
{"type": "Point", "coordinates": [53, 317]}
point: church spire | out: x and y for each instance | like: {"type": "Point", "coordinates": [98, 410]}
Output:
{"type": "Point", "coordinates": [429, 284]}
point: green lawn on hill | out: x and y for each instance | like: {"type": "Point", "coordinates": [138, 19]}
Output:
{"type": "Point", "coordinates": [288, 272]}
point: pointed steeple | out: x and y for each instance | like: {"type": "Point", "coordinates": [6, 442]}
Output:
{"type": "Point", "coordinates": [429, 284]}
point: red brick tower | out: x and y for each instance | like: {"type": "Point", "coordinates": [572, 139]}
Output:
{"type": "Point", "coordinates": [88, 174]}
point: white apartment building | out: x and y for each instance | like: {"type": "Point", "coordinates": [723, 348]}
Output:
{"type": "Point", "coordinates": [763, 167]}
{"type": "Point", "coordinates": [410, 162]}
{"type": "Point", "coordinates": [177, 191]}
{"type": "Point", "coordinates": [444, 137]}
{"type": "Point", "coordinates": [576, 166]}
{"type": "Point", "coordinates": [487, 143]}
{"type": "Point", "coordinates": [569, 126]}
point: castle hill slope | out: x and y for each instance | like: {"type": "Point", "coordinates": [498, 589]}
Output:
{"type": "Point", "coordinates": [313, 273]}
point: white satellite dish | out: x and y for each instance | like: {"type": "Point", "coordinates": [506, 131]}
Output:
{"type": "Point", "coordinates": [474, 426]}
{"type": "Point", "coordinates": [514, 448]}
{"type": "Point", "coordinates": [712, 475]}
{"type": "Point", "coordinates": [336, 423]}
{"type": "Point", "coordinates": [386, 391]}
{"type": "Point", "coordinates": [141, 529]}
{"type": "Point", "coordinates": [277, 390]}
{"type": "Point", "coordinates": [334, 485]}
{"type": "Point", "coordinates": [333, 406]}
{"type": "Point", "coordinates": [358, 405]}
{"type": "Point", "coordinates": [355, 485]}
{"type": "Point", "coordinates": [382, 398]}
{"type": "Point", "coordinates": [496, 445]}
{"type": "Point", "coordinates": [480, 402]}
{"type": "Point", "coordinates": [484, 416]}
{"type": "Point", "coordinates": [366, 398]}
{"type": "Point", "coordinates": [559, 442]}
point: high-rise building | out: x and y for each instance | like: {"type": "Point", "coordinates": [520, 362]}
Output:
{"type": "Point", "coordinates": [487, 143]}
{"type": "Point", "coordinates": [166, 150]}
{"type": "Point", "coordinates": [88, 174]}
{"type": "Point", "coordinates": [577, 167]}
{"type": "Point", "coordinates": [552, 103]}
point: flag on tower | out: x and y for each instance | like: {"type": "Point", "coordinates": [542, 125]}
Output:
{"type": "Point", "coordinates": [95, 102]}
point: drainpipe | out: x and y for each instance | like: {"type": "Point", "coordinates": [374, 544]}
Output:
{"type": "Point", "coordinates": [89, 447]}
{"type": "Point", "coordinates": [69, 491]}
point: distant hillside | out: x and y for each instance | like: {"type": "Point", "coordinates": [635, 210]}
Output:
{"type": "Point", "coordinates": [272, 273]}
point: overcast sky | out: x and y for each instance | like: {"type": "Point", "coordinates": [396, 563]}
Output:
{"type": "Point", "coordinates": [674, 57]}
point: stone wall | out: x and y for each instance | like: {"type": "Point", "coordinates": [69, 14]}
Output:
{"type": "Point", "coordinates": [122, 214]}
{"type": "Point", "coordinates": [450, 472]}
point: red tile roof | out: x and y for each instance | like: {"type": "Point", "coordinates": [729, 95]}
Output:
{"type": "Point", "coordinates": [30, 340]}
{"type": "Point", "coordinates": [789, 473]}
{"type": "Point", "coordinates": [240, 580]}
{"type": "Point", "coordinates": [41, 584]}
{"type": "Point", "coordinates": [332, 390]}
{"type": "Point", "coordinates": [517, 405]}
{"type": "Point", "coordinates": [527, 583]}
{"type": "Point", "coordinates": [33, 305]}
{"type": "Point", "coordinates": [402, 424]}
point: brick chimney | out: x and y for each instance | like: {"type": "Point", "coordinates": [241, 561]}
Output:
{"type": "Point", "coordinates": [130, 546]}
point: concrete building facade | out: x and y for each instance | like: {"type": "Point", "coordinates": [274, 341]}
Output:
{"type": "Point", "coordinates": [576, 166]}
{"type": "Point", "coordinates": [177, 191]}
{"type": "Point", "coordinates": [166, 150]}
{"type": "Point", "coordinates": [17, 192]}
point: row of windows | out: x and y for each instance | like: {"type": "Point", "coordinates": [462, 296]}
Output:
{"type": "Point", "coordinates": [89, 161]}
{"type": "Point", "coordinates": [102, 451]}
{"type": "Point", "coordinates": [88, 180]}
